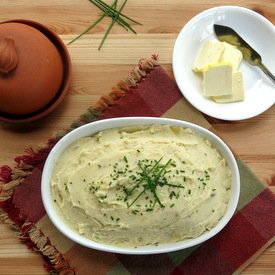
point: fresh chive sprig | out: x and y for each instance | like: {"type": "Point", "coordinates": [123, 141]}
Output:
{"type": "Point", "coordinates": [113, 22]}
{"type": "Point", "coordinates": [114, 14]}
{"type": "Point", "coordinates": [151, 179]}
{"type": "Point", "coordinates": [141, 180]}
{"type": "Point", "coordinates": [97, 21]}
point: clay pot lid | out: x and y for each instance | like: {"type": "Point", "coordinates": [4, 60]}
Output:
{"type": "Point", "coordinates": [46, 82]}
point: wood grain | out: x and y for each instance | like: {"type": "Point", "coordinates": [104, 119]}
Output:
{"type": "Point", "coordinates": [95, 72]}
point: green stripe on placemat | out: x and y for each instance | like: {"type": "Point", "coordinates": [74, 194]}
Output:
{"type": "Point", "coordinates": [179, 256]}
{"type": "Point", "coordinates": [120, 269]}
{"type": "Point", "coordinates": [251, 186]}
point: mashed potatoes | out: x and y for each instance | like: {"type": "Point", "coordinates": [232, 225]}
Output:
{"type": "Point", "coordinates": [141, 185]}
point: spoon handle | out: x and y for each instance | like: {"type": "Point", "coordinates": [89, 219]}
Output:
{"type": "Point", "coordinates": [267, 72]}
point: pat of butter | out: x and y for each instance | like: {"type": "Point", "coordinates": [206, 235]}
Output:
{"type": "Point", "coordinates": [238, 90]}
{"type": "Point", "coordinates": [231, 54]}
{"type": "Point", "coordinates": [210, 53]}
{"type": "Point", "coordinates": [218, 79]}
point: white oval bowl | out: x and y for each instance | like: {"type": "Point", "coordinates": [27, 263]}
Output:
{"type": "Point", "coordinates": [94, 127]}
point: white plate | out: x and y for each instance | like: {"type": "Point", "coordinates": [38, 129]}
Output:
{"type": "Point", "coordinates": [257, 31]}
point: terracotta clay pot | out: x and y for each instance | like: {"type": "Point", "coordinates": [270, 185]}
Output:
{"type": "Point", "coordinates": [35, 70]}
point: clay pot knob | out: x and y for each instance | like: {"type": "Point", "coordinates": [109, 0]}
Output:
{"type": "Point", "coordinates": [8, 55]}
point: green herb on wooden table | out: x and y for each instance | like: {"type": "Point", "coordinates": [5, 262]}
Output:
{"type": "Point", "coordinates": [116, 15]}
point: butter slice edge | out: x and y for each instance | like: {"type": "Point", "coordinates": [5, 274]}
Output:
{"type": "Point", "coordinates": [209, 54]}
{"type": "Point", "coordinates": [238, 90]}
{"type": "Point", "coordinates": [218, 79]}
{"type": "Point", "coordinates": [231, 54]}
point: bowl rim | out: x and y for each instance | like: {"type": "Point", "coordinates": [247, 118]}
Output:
{"type": "Point", "coordinates": [97, 126]}
{"type": "Point", "coordinates": [67, 72]}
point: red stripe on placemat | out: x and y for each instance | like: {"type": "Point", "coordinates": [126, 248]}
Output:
{"type": "Point", "coordinates": [133, 105]}
{"type": "Point", "coordinates": [152, 97]}
{"type": "Point", "coordinates": [207, 259]}
{"type": "Point", "coordinates": [27, 197]}
{"type": "Point", "coordinates": [261, 213]}
{"type": "Point", "coordinates": [159, 264]}
{"type": "Point", "coordinates": [160, 91]}
{"type": "Point", "coordinates": [176, 271]}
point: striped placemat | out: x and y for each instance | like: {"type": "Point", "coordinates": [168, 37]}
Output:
{"type": "Point", "coordinates": [146, 91]}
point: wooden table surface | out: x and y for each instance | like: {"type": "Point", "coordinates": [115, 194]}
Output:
{"type": "Point", "coordinates": [95, 72]}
